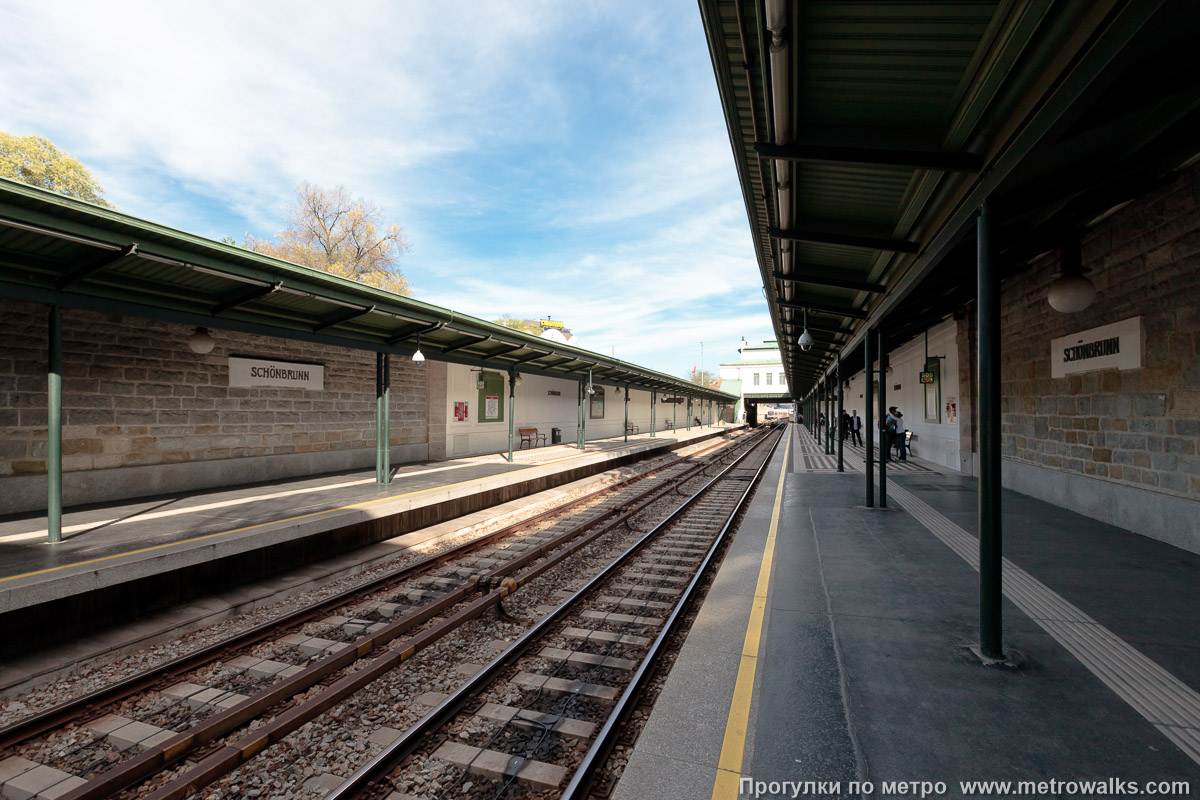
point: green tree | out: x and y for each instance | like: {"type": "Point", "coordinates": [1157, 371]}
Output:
{"type": "Point", "coordinates": [335, 233]}
{"type": "Point", "coordinates": [702, 377]}
{"type": "Point", "coordinates": [36, 161]}
{"type": "Point", "coordinates": [527, 325]}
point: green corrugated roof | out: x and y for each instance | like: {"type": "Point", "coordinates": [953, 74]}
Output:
{"type": "Point", "coordinates": [58, 250]}
{"type": "Point", "coordinates": [900, 118]}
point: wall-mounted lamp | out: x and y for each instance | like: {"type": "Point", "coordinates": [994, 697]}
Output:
{"type": "Point", "coordinates": [201, 341]}
{"type": "Point", "coordinates": [1071, 291]}
{"type": "Point", "coordinates": [517, 381]}
{"type": "Point", "coordinates": [418, 356]}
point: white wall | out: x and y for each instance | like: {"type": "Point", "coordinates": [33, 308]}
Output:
{"type": "Point", "coordinates": [535, 408]}
{"type": "Point", "coordinates": [936, 442]}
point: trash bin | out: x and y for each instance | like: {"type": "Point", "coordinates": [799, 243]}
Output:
{"type": "Point", "coordinates": [555, 435]}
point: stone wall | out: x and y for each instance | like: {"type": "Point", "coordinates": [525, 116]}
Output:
{"type": "Point", "coordinates": [134, 395]}
{"type": "Point", "coordinates": [1138, 427]}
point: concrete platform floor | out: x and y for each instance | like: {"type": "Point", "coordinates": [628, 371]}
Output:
{"type": "Point", "coordinates": [97, 531]}
{"type": "Point", "coordinates": [863, 669]}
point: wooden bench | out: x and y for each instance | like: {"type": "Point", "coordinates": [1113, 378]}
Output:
{"type": "Point", "coordinates": [631, 428]}
{"type": "Point", "coordinates": [531, 437]}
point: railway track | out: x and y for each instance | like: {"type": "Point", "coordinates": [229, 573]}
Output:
{"type": "Point", "coordinates": [543, 716]}
{"type": "Point", "coordinates": [191, 707]}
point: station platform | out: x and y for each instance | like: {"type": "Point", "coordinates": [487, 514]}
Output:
{"type": "Point", "coordinates": [153, 552]}
{"type": "Point", "coordinates": [835, 646]}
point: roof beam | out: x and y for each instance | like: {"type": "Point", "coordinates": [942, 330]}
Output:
{"type": "Point", "coordinates": [824, 308]}
{"type": "Point", "coordinates": [345, 316]}
{"type": "Point", "coordinates": [420, 330]}
{"type": "Point", "coordinates": [245, 296]}
{"type": "Point", "coordinates": [805, 234]}
{"type": "Point", "coordinates": [459, 345]}
{"type": "Point", "coordinates": [874, 156]}
{"type": "Point", "coordinates": [511, 348]}
{"type": "Point", "coordinates": [105, 261]}
{"type": "Point", "coordinates": [537, 354]}
{"type": "Point", "coordinates": [824, 280]}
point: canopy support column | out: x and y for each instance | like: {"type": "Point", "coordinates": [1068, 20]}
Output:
{"type": "Point", "coordinates": [379, 417]}
{"type": "Point", "coordinates": [54, 427]}
{"type": "Point", "coordinates": [387, 417]}
{"type": "Point", "coordinates": [580, 432]}
{"type": "Point", "coordinates": [653, 412]}
{"type": "Point", "coordinates": [840, 402]}
{"type": "Point", "coordinates": [988, 391]}
{"type": "Point", "coordinates": [869, 421]}
{"type": "Point", "coordinates": [627, 412]}
{"type": "Point", "coordinates": [884, 444]}
{"type": "Point", "coordinates": [512, 408]}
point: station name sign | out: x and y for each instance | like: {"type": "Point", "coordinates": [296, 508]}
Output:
{"type": "Point", "coordinates": [1115, 346]}
{"type": "Point", "coordinates": [265, 372]}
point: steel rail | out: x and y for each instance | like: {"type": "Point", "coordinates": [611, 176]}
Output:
{"type": "Point", "coordinates": [146, 763]}
{"type": "Point", "coordinates": [240, 751]}
{"type": "Point", "coordinates": [68, 711]}
{"type": "Point", "coordinates": [581, 782]}
{"type": "Point", "coordinates": [445, 711]}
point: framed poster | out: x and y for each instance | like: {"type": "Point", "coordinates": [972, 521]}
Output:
{"type": "Point", "coordinates": [596, 405]}
{"type": "Point", "coordinates": [931, 379]}
{"type": "Point", "coordinates": [460, 412]}
{"type": "Point", "coordinates": [491, 397]}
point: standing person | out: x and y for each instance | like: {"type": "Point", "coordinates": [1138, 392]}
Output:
{"type": "Point", "coordinates": [844, 426]}
{"type": "Point", "coordinates": [855, 428]}
{"type": "Point", "coordinates": [899, 434]}
{"type": "Point", "coordinates": [889, 435]}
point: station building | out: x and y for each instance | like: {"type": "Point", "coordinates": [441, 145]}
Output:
{"type": "Point", "coordinates": [177, 363]}
{"type": "Point", "coordinates": [756, 377]}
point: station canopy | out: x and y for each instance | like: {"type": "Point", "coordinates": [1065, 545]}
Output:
{"type": "Point", "coordinates": [867, 135]}
{"type": "Point", "coordinates": [61, 251]}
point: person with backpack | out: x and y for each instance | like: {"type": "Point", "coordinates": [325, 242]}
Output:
{"type": "Point", "coordinates": [901, 443]}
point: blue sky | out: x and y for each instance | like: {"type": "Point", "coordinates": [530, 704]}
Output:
{"type": "Point", "coordinates": [564, 158]}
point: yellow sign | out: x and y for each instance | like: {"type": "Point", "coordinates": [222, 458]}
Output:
{"type": "Point", "coordinates": [549, 323]}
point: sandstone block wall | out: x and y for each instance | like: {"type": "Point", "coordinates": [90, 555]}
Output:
{"type": "Point", "coordinates": [1138, 427]}
{"type": "Point", "coordinates": [134, 395]}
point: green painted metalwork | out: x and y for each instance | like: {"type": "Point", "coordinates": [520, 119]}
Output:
{"type": "Point", "coordinates": [387, 418]}
{"type": "Point", "coordinates": [512, 409]}
{"type": "Point", "coordinates": [991, 555]}
{"type": "Point", "coordinates": [177, 276]}
{"type": "Point", "coordinates": [379, 417]}
{"type": "Point", "coordinates": [653, 414]}
{"type": "Point", "coordinates": [627, 413]}
{"type": "Point", "coordinates": [869, 422]}
{"type": "Point", "coordinates": [54, 427]}
{"type": "Point", "coordinates": [884, 455]}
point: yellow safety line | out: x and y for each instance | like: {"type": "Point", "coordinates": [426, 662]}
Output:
{"type": "Point", "coordinates": [729, 768]}
{"type": "Point", "coordinates": [273, 522]}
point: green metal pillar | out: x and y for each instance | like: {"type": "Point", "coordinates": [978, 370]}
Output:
{"type": "Point", "coordinates": [674, 409]}
{"type": "Point", "coordinates": [654, 413]}
{"type": "Point", "coordinates": [54, 428]}
{"type": "Point", "coordinates": [689, 414]}
{"type": "Point", "coordinates": [817, 414]}
{"type": "Point", "coordinates": [988, 391]}
{"type": "Point", "coordinates": [627, 412]}
{"type": "Point", "coordinates": [387, 418]}
{"type": "Point", "coordinates": [379, 417]}
{"type": "Point", "coordinates": [579, 431]}
{"type": "Point", "coordinates": [840, 401]}
{"type": "Point", "coordinates": [512, 408]}
{"type": "Point", "coordinates": [884, 450]}
{"type": "Point", "coordinates": [869, 422]}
